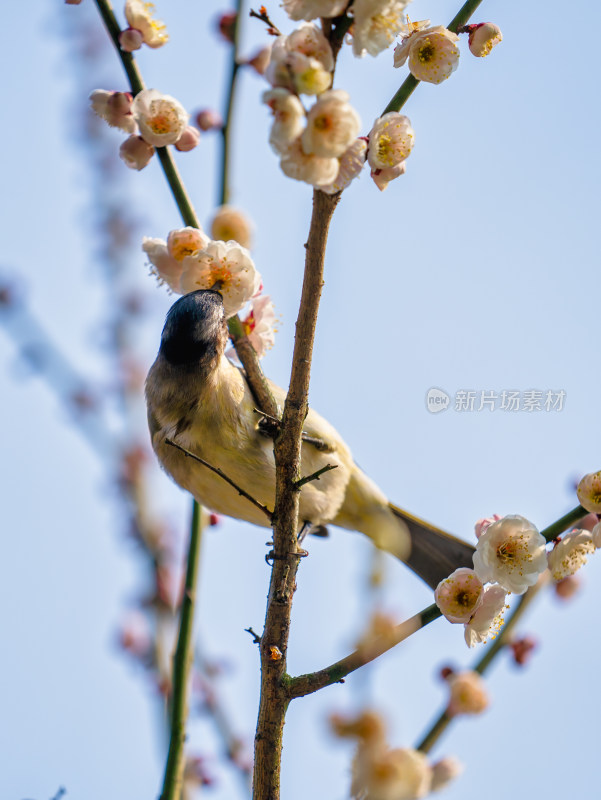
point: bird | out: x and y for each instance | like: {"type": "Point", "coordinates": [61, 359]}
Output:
{"type": "Point", "coordinates": [199, 400]}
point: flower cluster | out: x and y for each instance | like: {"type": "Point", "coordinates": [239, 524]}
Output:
{"type": "Point", "coordinates": [510, 556]}
{"type": "Point", "coordinates": [190, 260]}
{"type": "Point", "coordinates": [152, 119]}
{"type": "Point", "coordinates": [318, 147]}
{"type": "Point", "coordinates": [382, 773]}
{"type": "Point", "coordinates": [462, 598]}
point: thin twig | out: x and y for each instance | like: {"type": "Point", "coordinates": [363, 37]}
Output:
{"type": "Point", "coordinates": [315, 475]}
{"type": "Point", "coordinates": [313, 681]}
{"type": "Point", "coordinates": [221, 474]}
{"type": "Point", "coordinates": [182, 661]}
{"type": "Point", "coordinates": [256, 637]}
{"type": "Point", "coordinates": [264, 17]}
{"type": "Point", "coordinates": [224, 192]}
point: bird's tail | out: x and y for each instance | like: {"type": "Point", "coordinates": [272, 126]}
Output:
{"type": "Point", "coordinates": [434, 554]}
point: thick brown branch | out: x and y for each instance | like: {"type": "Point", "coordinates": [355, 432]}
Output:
{"type": "Point", "coordinates": [274, 693]}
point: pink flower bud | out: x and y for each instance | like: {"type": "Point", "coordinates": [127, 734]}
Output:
{"type": "Point", "coordinates": [522, 649]}
{"type": "Point", "coordinates": [209, 120]}
{"type": "Point", "coordinates": [72, 2]}
{"type": "Point", "coordinates": [188, 140]}
{"type": "Point", "coordinates": [227, 26]}
{"type": "Point", "coordinates": [119, 104]}
{"type": "Point", "coordinates": [483, 524]}
{"type": "Point", "coordinates": [483, 37]}
{"type": "Point", "coordinates": [468, 694]}
{"type": "Point", "coordinates": [443, 772]}
{"type": "Point", "coordinates": [567, 587]}
{"type": "Point", "coordinates": [260, 61]}
{"type": "Point", "coordinates": [214, 519]}
{"type": "Point", "coordinates": [135, 152]}
{"type": "Point", "coordinates": [130, 40]}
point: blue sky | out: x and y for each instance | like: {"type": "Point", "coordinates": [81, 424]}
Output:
{"type": "Point", "coordinates": [477, 270]}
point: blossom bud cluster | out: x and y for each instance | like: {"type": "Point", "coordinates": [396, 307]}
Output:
{"type": "Point", "coordinates": [190, 260]}
{"type": "Point", "coordinates": [380, 772]}
{"type": "Point", "coordinates": [320, 147]}
{"type": "Point", "coordinates": [312, 146]}
{"type": "Point", "coordinates": [152, 119]}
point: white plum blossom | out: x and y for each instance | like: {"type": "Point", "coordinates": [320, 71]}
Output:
{"type": "Point", "coordinates": [596, 535]}
{"type": "Point", "coordinates": [167, 269]}
{"type": "Point", "coordinates": [589, 492]}
{"type": "Point", "coordinates": [114, 108]}
{"type": "Point", "coordinates": [511, 552]}
{"type": "Point", "coordinates": [312, 9]}
{"type": "Point", "coordinates": [289, 118]}
{"type": "Point", "coordinates": [140, 17]}
{"type": "Point", "coordinates": [377, 23]}
{"type": "Point", "coordinates": [382, 177]}
{"type": "Point", "coordinates": [390, 140]}
{"type": "Point", "coordinates": [570, 554]}
{"type": "Point", "coordinates": [383, 774]}
{"type": "Point", "coordinates": [184, 242]}
{"type": "Point", "coordinates": [483, 37]}
{"type": "Point", "coordinates": [432, 52]}
{"type": "Point", "coordinates": [302, 62]}
{"type": "Point", "coordinates": [310, 41]}
{"type": "Point", "coordinates": [258, 324]}
{"type": "Point", "coordinates": [350, 164]}
{"type": "Point", "coordinates": [300, 166]}
{"type": "Point", "coordinates": [135, 152]}
{"type": "Point", "coordinates": [488, 618]}
{"type": "Point", "coordinates": [445, 771]}
{"type": "Point", "coordinates": [468, 694]}
{"type": "Point", "coordinates": [166, 257]}
{"type": "Point", "coordinates": [332, 125]}
{"type": "Point", "coordinates": [230, 224]}
{"type": "Point", "coordinates": [161, 118]}
{"type": "Point", "coordinates": [299, 73]}
{"type": "Point", "coordinates": [227, 264]}
{"type": "Point", "coordinates": [459, 596]}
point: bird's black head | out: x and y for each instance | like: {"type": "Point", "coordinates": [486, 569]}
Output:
{"type": "Point", "coordinates": [195, 329]}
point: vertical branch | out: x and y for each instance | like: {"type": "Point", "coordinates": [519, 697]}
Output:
{"type": "Point", "coordinates": [224, 192]}
{"type": "Point", "coordinates": [275, 694]}
{"type": "Point", "coordinates": [174, 769]}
